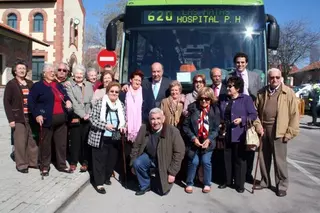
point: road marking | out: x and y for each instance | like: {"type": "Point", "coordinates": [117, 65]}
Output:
{"type": "Point", "coordinates": [305, 172]}
{"type": "Point", "coordinates": [306, 163]}
{"type": "Point", "coordinates": [102, 58]}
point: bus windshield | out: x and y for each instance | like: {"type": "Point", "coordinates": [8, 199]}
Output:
{"type": "Point", "coordinates": [185, 52]}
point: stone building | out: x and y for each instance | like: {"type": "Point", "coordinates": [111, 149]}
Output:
{"type": "Point", "coordinates": [59, 23]}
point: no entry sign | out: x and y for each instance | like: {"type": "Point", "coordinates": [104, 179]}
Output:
{"type": "Point", "coordinates": [106, 57]}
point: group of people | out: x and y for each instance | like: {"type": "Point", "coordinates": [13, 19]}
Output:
{"type": "Point", "coordinates": [165, 130]}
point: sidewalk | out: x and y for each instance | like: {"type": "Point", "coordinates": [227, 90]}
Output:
{"type": "Point", "coordinates": [27, 192]}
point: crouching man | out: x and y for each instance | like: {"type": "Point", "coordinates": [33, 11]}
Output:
{"type": "Point", "coordinates": [157, 147]}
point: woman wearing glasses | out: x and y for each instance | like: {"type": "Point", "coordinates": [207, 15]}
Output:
{"type": "Point", "coordinates": [108, 121]}
{"type": "Point", "coordinates": [236, 108]}
{"type": "Point", "coordinates": [199, 81]}
{"type": "Point", "coordinates": [201, 127]}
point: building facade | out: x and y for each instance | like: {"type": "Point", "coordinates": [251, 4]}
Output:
{"type": "Point", "coordinates": [59, 23]}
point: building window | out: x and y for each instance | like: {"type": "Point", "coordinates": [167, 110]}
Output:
{"type": "Point", "coordinates": [12, 20]}
{"type": "Point", "coordinates": [37, 65]}
{"type": "Point", "coordinates": [38, 22]}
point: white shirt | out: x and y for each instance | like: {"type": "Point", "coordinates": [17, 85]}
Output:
{"type": "Point", "coordinates": [245, 77]}
{"type": "Point", "coordinates": [158, 85]}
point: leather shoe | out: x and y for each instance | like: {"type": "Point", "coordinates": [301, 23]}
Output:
{"type": "Point", "coordinates": [281, 193]}
{"type": "Point", "coordinates": [223, 186]}
{"type": "Point", "coordinates": [142, 192]}
{"type": "Point", "coordinates": [23, 170]}
{"type": "Point", "coordinates": [240, 190]}
{"type": "Point", "coordinates": [108, 182]}
{"type": "Point", "coordinates": [101, 190]}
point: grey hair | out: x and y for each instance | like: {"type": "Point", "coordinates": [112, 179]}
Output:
{"type": "Point", "coordinates": [78, 68]}
{"type": "Point", "coordinates": [155, 111]}
{"type": "Point", "coordinates": [90, 69]}
{"type": "Point", "coordinates": [47, 66]}
{"type": "Point", "coordinates": [62, 63]}
{"type": "Point", "coordinates": [273, 70]}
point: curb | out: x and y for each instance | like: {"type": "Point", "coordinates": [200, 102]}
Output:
{"type": "Point", "coordinates": [61, 201]}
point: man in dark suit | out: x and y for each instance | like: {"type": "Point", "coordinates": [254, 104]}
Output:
{"type": "Point", "coordinates": [252, 84]}
{"type": "Point", "coordinates": [220, 90]}
{"type": "Point", "coordinates": [155, 89]}
{"type": "Point", "coordinates": [218, 86]}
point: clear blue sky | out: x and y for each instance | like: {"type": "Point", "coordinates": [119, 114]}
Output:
{"type": "Point", "coordinates": [283, 10]}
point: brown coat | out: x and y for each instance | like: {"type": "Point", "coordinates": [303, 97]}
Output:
{"type": "Point", "coordinates": [170, 151]}
{"type": "Point", "coordinates": [172, 118]}
{"type": "Point", "coordinates": [13, 101]}
{"type": "Point", "coordinates": [287, 120]}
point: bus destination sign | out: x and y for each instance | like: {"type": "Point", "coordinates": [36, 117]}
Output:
{"type": "Point", "coordinates": [193, 16]}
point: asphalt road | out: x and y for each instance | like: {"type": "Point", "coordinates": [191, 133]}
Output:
{"type": "Point", "coordinates": [303, 194]}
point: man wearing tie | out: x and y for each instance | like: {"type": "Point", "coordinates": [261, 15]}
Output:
{"type": "Point", "coordinates": [252, 84]}
{"type": "Point", "coordinates": [220, 90]}
{"type": "Point", "coordinates": [218, 87]}
{"type": "Point", "coordinates": [155, 89]}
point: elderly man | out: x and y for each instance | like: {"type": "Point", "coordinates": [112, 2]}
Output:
{"type": "Point", "coordinates": [278, 111]}
{"type": "Point", "coordinates": [252, 84]}
{"type": "Point", "coordinates": [157, 146]}
{"type": "Point", "coordinates": [218, 87]}
{"type": "Point", "coordinates": [62, 72]}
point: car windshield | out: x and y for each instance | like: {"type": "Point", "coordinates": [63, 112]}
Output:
{"type": "Point", "coordinates": [184, 50]}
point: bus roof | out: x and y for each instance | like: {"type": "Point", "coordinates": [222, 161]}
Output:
{"type": "Point", "coordinates": [193, 2]}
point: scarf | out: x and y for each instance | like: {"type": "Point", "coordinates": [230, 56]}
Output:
{"type": "Point", "coordinates": [203, 123]}
{"type": "Point", "coordinates": [114, 107]}
{"type": "Point", "coordinates": [134, 112]}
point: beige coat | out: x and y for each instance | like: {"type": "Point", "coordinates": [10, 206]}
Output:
{"type": "Point", "coordinates": [172, 118]}
{"type": "Point", "coordinates": [287, 123]}
{"type": "Point", "coordinates": [170, 151]}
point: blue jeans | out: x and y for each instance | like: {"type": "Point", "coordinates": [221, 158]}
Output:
{"type": "Point", "coordinates": [207, 171]}
{"type": "Point", "coordinates": [142, 167]}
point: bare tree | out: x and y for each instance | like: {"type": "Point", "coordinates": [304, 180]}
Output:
{"type": "Point", "coordinates": [296, 40]}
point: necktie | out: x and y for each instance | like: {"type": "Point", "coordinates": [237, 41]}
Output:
{"type": "Point", "coordinates": [155, 90]}
{"type": "Point", "coordinates": [216, 91]}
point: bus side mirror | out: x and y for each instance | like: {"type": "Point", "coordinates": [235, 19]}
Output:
{"type": "Point", "coordinates": [273, 36]}
{"type": "Point", "coordinates": [111, 36]}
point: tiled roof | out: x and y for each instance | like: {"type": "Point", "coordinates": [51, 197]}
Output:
{"type": "Point", "coordinates": [313, 66]}
{"type": "Point", "coordinates": [7, 28]}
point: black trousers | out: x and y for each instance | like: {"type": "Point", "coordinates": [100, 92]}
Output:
{"type": "Point", "coordinates": [314, 113]}
{"type": "Point", "coordinates": [104, 160]}
{"type": "Point", "coordinates": [235, 163]}
{"type": "Point", "coordinates": [250, 160]}
{"type": "Point", "coordinates": [79, 149]}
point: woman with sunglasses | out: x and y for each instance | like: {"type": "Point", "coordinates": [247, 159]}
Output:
{"type": "Point", "coordinates": [199, 81]}
{"type": "Point", "coordinates": [236, 109]}
{"type": "Point", "coordinates": [201, 127]}
{"type": "Point", "coordinates": [108, 121]}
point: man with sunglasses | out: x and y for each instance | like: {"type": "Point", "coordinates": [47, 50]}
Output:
{"type": "Point", "coordinates": [278, 112]}
{"type": "Point", "coordinates": [252, 84]}
{"type": "Point", "coordinates": [62, 72]}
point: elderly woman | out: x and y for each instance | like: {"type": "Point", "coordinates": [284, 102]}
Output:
{"type": "Point", "coordinates": [236, 108]}
{"type": "Point", "coordinates": [199, 81]}
{"type": "Point", "coordinates": [172, 106]}
{"type": "Point", "coordinates": [80, 93]}
{"type": "Point", "coordinates": [48, 102]}
{"type": "Point", "coordinates": [201, 127]}
{"type": "Point", "coordinates": [19, 118]}
{"type": "Point", "coordinates": [106, 78]}
{"type": "Point", "coordinates": [92, 75]}
{"type": "Point", "coordinates": [108, 121]}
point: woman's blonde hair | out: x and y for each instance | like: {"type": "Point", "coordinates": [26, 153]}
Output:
{"type": "Point", "coordinates": [207, 92]}
{"type": "Point", "coordinates": [175, 83]}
